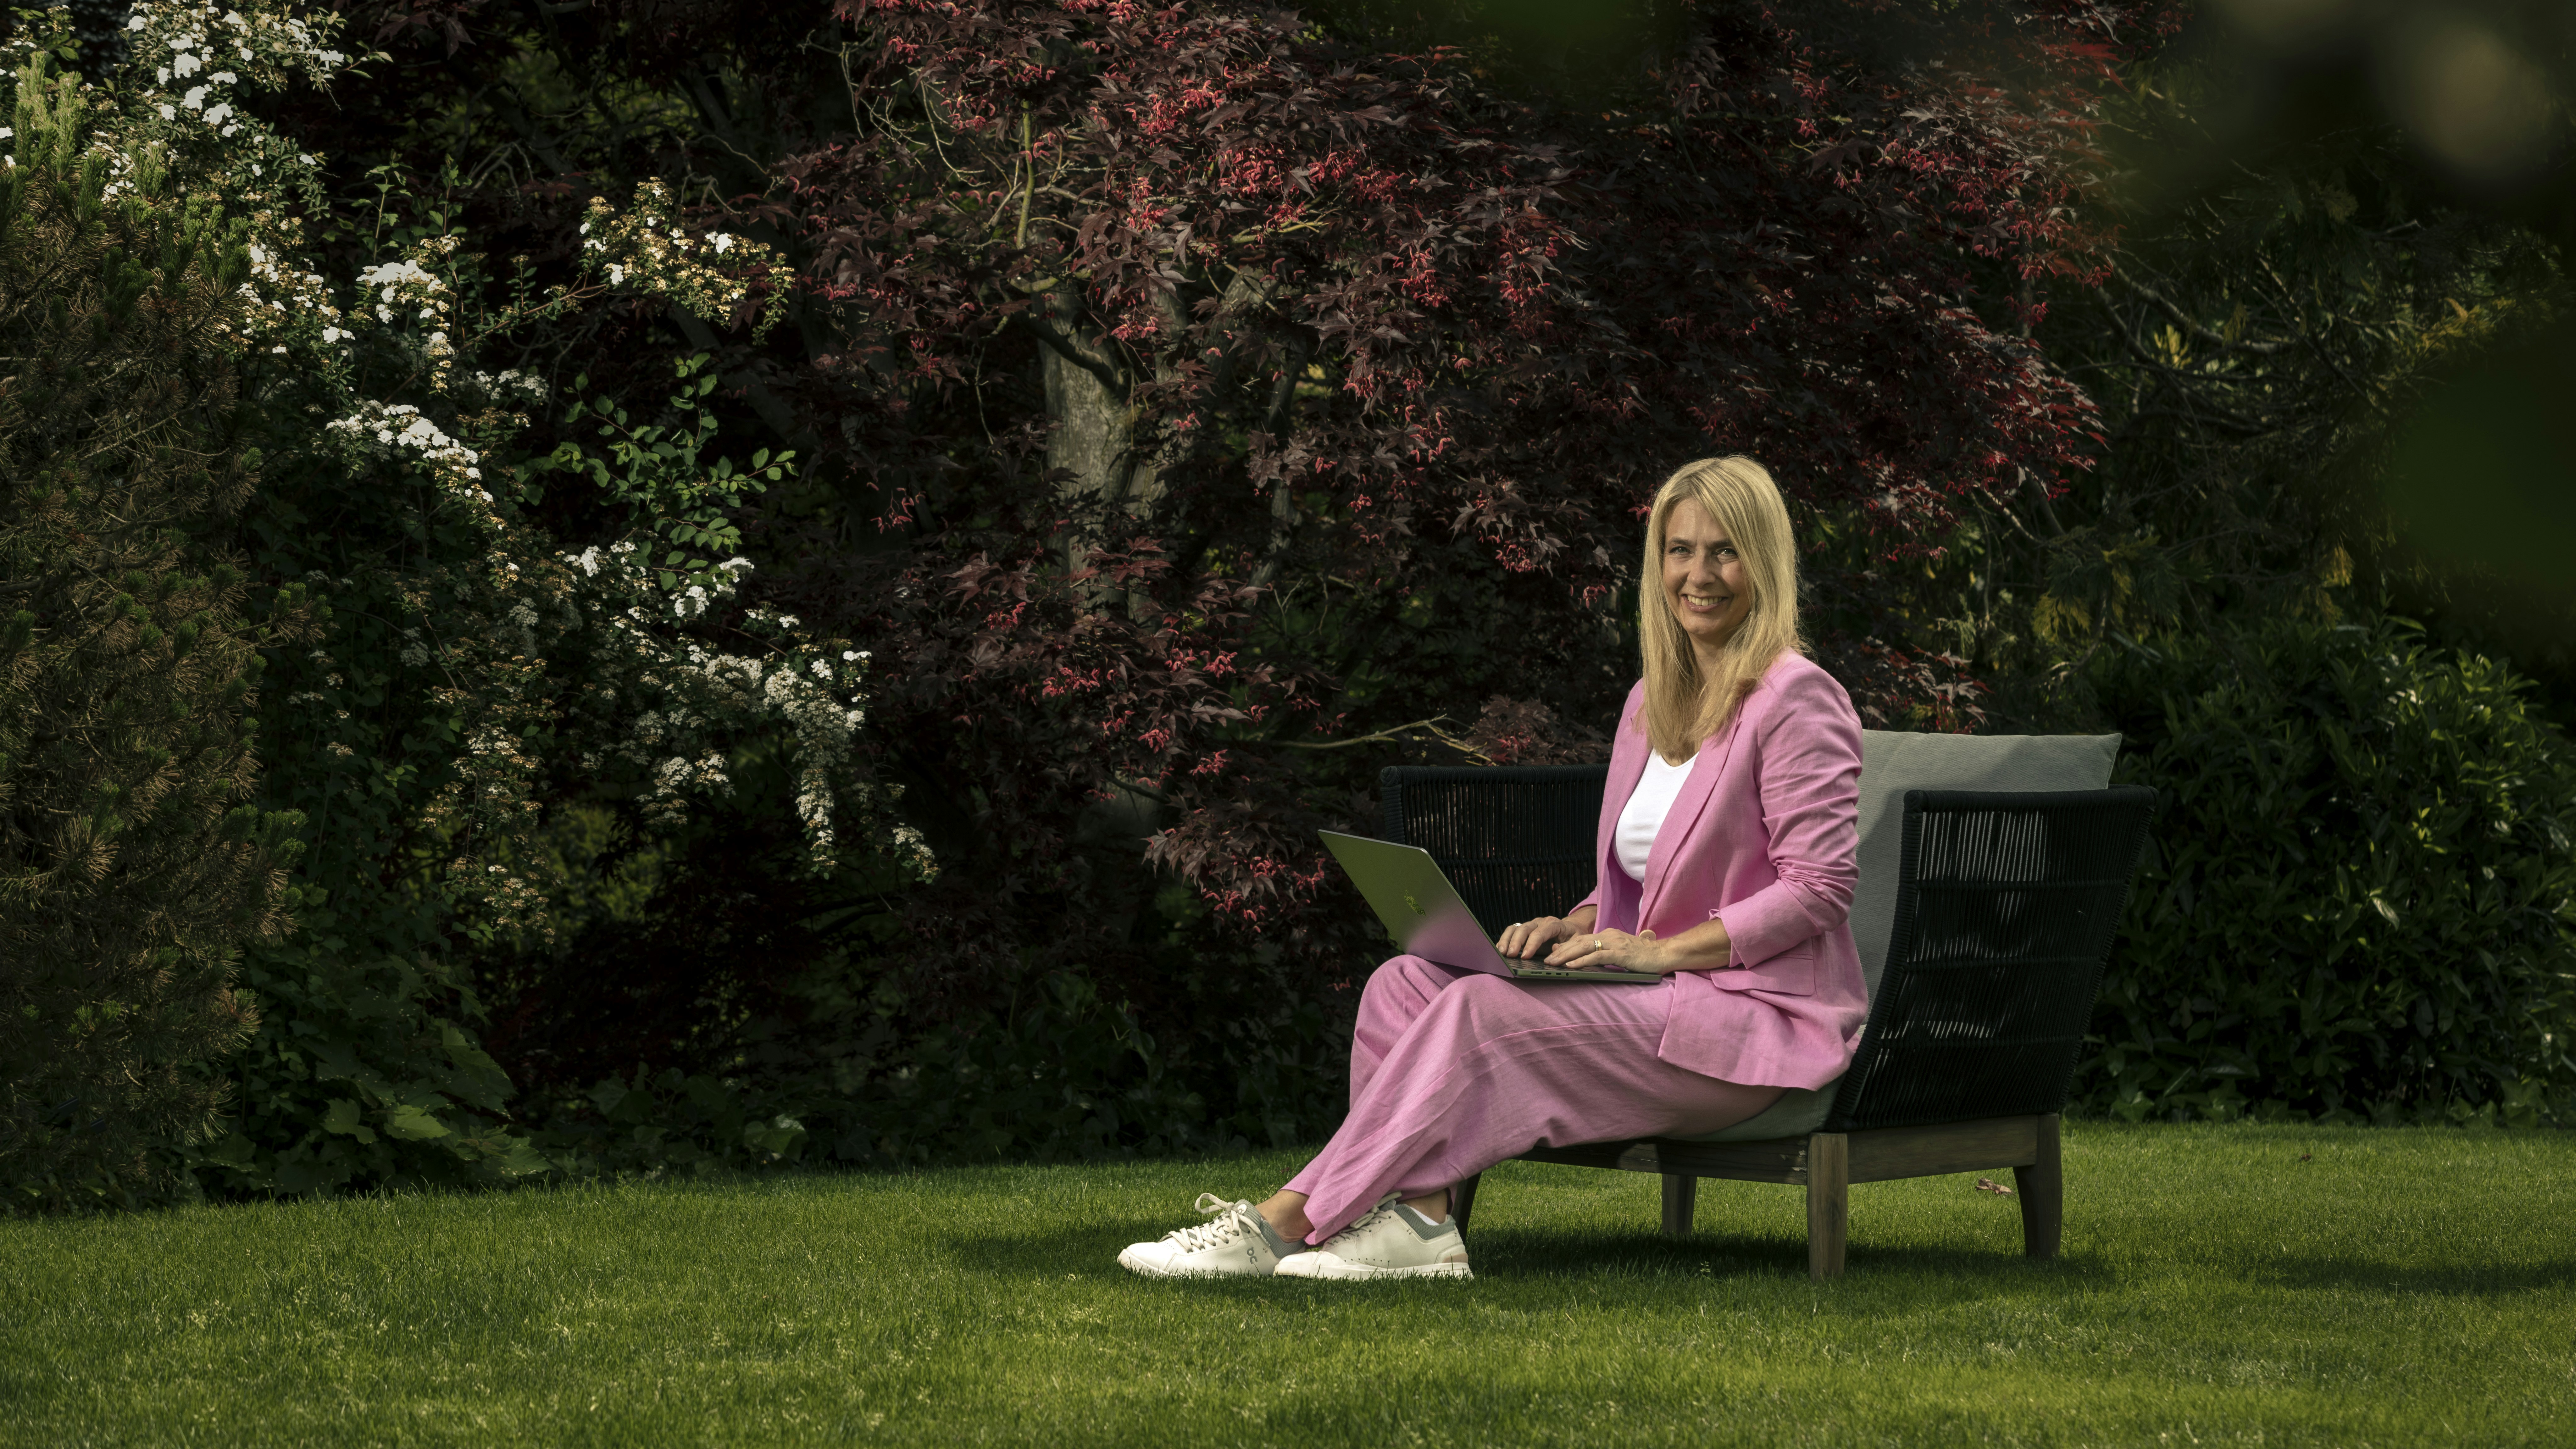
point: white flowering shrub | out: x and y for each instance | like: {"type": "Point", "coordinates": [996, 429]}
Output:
{"type": "Point", "coordinates": [193, 66]}
{"type": "Point", "coordinates": [473, 666]}
{"type": "Point", "coordinates": [384, 357]}
{"type": "Point", "coordinates": [677, 568]}
{"type": "Point", "coordinates": [198, 54]}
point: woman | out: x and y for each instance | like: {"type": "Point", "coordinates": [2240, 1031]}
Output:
{"type": "Point", "coordinates": [1726, 865]}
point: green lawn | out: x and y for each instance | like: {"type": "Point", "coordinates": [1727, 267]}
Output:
{"type": "Point", "coordinates": [2398, 1287]}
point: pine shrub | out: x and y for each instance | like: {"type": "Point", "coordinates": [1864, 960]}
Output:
{"type": "Point", "coordinates": [132, 863]}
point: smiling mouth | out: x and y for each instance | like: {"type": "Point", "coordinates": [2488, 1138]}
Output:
{"type": "Point", "coordinates": [1705, 603]}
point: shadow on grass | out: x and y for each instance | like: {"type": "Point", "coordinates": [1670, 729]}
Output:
{"type": "Point", "coordinates": [1545, 1254]}
{"type": "Point", "coordinates": [2460, 1279]}
{"type": "Point", "coordinates": [1528, 1255]}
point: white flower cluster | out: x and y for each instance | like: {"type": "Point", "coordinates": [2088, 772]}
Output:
{"type": "Point", "coordinates": [401, 430]}
{"type": "Point", "coordinates": [690, 600]}
{"type": "Point", "coordinates": [679, 773]}
{"type": "Point", "coordinates": [813, 692]}
{"type": "Point", "coordinates": [399, 280]}
{"type": "Point", "coordinates": [590, 560]}
{"type": "Point", "coordinates": [201, 58]}
{"type": "Point", "coordinates": [403, 293]}
{"type": "Point", "coordinates": [510, 385]}
{"type": "Point", "coordinates": [824, 725]}
{"type": "Point", "coordinates": [695, 599]}
{"type": "Point", "coordinates": [408, 292]}
{"type": "Point", "coordinates": [214, 47]}
{"type": "Point", "coordinates": [646, 248]}
{"type": "Point", "coordinates": [187, 127]}
{"type": "Point", "coordinates": [283, 299]}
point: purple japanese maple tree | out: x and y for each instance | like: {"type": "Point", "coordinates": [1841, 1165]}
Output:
{"type": "Point", "coordinates": [1162, 333]}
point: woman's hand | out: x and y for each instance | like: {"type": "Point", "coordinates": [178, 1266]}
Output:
{"type": "Point", "coordinates": [1615, 951]}
{"type": "Point", "coordinates": [1522, 940]}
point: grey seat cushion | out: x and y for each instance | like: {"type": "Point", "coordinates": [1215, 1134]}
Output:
{"type": "Point", "coordinates": [1891, 763]}
{"type": "Point", "coordinates": [1798, 1112]}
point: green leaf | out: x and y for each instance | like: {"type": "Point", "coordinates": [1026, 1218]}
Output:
{"type": "Point", "coordinates": [484, 1083]}
{"type": "Point", "coordinates": [521, 1159]}
{"type": "Point", "coordinates": [414, 1125]}
{"type": "Point", "coordinates": [342, 1117]}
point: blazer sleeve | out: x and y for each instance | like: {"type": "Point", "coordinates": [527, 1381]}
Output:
{"type": "Point", "coordinates": [1810, 784]}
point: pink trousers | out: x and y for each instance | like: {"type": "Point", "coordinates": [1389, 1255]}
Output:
{"type": "Point", "coordinates": [1454, 1071]}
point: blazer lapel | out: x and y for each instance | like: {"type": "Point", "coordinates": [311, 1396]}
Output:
{"type": "Point", "coordinates": [1688, 806]}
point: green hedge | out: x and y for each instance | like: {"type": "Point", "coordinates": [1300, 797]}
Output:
{"type": "Point", "coordinates": [2359, 902]}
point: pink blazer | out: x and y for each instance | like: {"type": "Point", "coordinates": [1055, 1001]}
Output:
{"type": "Point", "coordinates": [1765, 835]}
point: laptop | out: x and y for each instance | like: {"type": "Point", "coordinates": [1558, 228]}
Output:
{"type": "Point", "coordinates": [1428, 918]}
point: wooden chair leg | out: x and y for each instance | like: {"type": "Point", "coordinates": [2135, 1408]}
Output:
{"type": "Point", "coordinates": [2042, 1189]}
{"type": "Point", "coordinates": [1828, 1203]}
{"type": "Point", "coordinates": [1462, 1200]}
{"type": "Point", "coordinates": [1681, 1196]}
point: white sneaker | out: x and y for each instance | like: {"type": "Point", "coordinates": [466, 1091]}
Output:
{"type": "Point", "coordinates": [1393, 1241]}
{"type": "Point", "coordinates": [1239, 1244]}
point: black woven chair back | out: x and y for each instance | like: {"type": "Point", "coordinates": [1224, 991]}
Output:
{"type": "Point", "coordinates": [2005, 908]}
{"type": "Point", "coordinates": [1515, 839]}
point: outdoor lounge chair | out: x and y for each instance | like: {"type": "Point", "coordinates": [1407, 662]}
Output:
{"type": "Point", "coordinates": [1983, 917]}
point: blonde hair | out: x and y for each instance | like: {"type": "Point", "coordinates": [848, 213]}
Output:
{"type": "Point", "coordinates": [1683, 709]}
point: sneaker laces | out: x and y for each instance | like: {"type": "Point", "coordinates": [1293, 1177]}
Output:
{"type": "Point", "coordinates": [1228, 1226]}
{"type": "Point", "coordinates": [1368, 1220]}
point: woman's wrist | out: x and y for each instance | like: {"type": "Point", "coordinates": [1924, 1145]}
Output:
{"type": "Point", "coordinates": [1673, 956]}
{"type": "Point", "coordinates": [1701, 948]}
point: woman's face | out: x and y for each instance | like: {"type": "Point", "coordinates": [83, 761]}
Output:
{"type": "Point", "coordinates": [1704, 580]}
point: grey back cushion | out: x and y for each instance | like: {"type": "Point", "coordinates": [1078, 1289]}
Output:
{"type": "Point", "coordinates": [1891, 763]}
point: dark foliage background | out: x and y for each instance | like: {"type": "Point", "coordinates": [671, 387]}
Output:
{"type": "Point", "coordinates": [1196, 409]}
{"type": "Point", "coordinates": [2386, 826]}
{"type": "Point", "coordinates": [1190, 410]}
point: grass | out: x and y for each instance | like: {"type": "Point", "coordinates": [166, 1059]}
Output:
{"type": "Point", "coordinates": [2222, 1285]}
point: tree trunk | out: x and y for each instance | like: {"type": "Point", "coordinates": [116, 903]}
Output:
{"type": "Point", "coordinates": [1095, 441]}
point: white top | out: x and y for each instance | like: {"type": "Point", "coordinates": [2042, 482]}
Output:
{"type": "Point", "coordinates": [1645, 812]}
